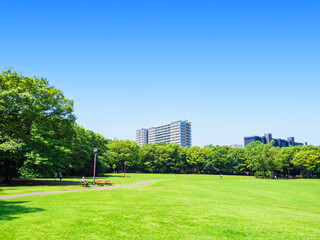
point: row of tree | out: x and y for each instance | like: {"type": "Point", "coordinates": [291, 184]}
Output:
{"type": "Point", "coordinates": [39, 137]}
{"type": "Point", "coordinates": [256, 158]}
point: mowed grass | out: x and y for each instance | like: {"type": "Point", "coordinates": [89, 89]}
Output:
{"type": "Point", "coordinates": [189, 207]}
{"type": "Point", "coordinates": [74, 183]}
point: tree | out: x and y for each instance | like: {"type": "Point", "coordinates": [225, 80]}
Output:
{"type": "Point", "coordinates": [195, 158]}
{"type": "Point", "coordinates": [82, 157]}
{"type": "Point", "coordinates": [272, 155]}
{"type": "Point", "coordinates": [253, 155]}
{"type": "Point", "coordinates": [219, 156]}
{"type": "Point", "coordinates": [236, 160]}
{"type": "Point", "coordinates": [307, 159]}
{"type": "Point", "coordinates": [287, 156]}
{"type": "Point", "coordinates": [10, 152]}
{"type": "Point", "coordinates": [161, 157]}
{"type": "Point", "coordinates": [147, 157]}
{"type": "Point", "coordinates": [40, 118]}
{"type": "Point", "coordinates": [124, 151]}
{"type": "Point", "coordinates": [175, 163]}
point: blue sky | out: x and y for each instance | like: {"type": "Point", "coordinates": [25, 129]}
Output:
{"type": "Point", "coordinates": [232, 68]}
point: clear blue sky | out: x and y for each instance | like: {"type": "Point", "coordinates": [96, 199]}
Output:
{"type": "Point", "coordinates": [232, 68]}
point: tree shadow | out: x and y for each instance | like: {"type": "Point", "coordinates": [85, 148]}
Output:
{"type": "Point", "coordinates": [10, 209]}
{"type": "Point", "coordinates": [28, 182]}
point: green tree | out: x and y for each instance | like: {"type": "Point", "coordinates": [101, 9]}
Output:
{"type": "Point", "coordinates": [147, 158]}
{"type": "Point", "coordinates": [272, 156]}
{"type": "Point", "coordinates": [161, 157]}
{"type": "Point", "coordinates": [307, 160]}
{"type": "Point", "coordinates": [124, 151]}
{"type": "Point", "coordinates": [253, 155]}
{"type": "Point", "coordinates": [40, 118]}
{"type": "Point", "coordinates": [82, 158]}
{"type": "Point", "coordinates": [10, 152]}
{"type": "Point", "coordinates": [195, 159]}
{"type": "Point", "coordinates": [175, 162]}
{"type": "Point", "coordinates": [264, 157]}
{"type": "Point", "coordinates": [236, 159]}
{"type": "Point", "coordinates": [286, 157]}
{"type": "Point", "coordinates": [216, 160]}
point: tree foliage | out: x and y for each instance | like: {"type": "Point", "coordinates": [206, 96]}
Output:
{"type": "Point", "coordinates": [39, 136]}
{"type": "Point", "coordinates": [124, 151]}
{"type": "Point", "coordinates": [35, 122]}
{"type": "Point", "coordinates": [307, 160]}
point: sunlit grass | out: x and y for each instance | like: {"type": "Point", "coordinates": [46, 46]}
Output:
{"type": "Point", "coordinates": [189, 207]}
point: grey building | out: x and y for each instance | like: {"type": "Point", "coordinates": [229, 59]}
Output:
{"type": "Point", "coordinates": [248, 140]}
{"type": "Point", "coordinates": [175, 132]}
{"type": "Point", "coordinates": [267, 138]}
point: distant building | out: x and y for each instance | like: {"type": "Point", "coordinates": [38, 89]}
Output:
{"type": "Point", "coordinates": [175, 132]}
{"type": "Point", "coordinates": [248, 140]}
{"type": "Point", "coordinates": [267, 138]}
{"type": "Point", "coordinates": [142, 136]}
{"type": "Point", "coordinates": [236, 145]}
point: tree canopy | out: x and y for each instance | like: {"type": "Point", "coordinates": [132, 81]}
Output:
{"type": "Point", "coordinates": [39, 136]}
{"type": "Point", "coordinates": [35, 125]}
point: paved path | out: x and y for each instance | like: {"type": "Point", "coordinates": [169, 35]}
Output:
{"type": "Point", "coordinates": [78, 190]}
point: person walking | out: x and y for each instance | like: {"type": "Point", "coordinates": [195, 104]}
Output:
{"type": "Point", "coordinates": [221, 176]}
{"type": "Point", "coordinates": [60, 175]}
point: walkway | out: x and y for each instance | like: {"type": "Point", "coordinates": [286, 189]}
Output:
{"type": "Point", "coordinates": [78, 190]}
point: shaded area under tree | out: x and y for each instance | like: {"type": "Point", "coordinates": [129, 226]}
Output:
{"type": "Point", "coordinates": [12, 209]}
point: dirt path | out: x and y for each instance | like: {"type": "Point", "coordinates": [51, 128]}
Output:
{"type": "Point", "coordinates": [78, 190]}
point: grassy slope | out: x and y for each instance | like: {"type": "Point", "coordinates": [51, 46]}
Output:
{"type": "Point", "coordinates": [190, 207]}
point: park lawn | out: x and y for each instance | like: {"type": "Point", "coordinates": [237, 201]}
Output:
{"type": "Point", "coordinates": [115, 179]}
{"type": "Point", "coordinates": [189, 207]}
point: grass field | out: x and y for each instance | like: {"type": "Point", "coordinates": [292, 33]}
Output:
{"type": "Point", "coordinates": [189, 207]}
{"type": "Point", "coordinates": [74, 183]}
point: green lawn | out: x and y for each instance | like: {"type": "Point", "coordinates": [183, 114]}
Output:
{"type": "Point", "coordinates": [189, 207]}
{"type": "Point", "coordinates": [115, 179]}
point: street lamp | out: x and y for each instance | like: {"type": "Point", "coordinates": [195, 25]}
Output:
{"type": "Point", "coordinates": [95, 151]}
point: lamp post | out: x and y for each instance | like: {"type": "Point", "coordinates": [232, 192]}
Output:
{"type": "Point", "coordinates": [124, 166]}
{"type": "Point", "coordinates": [95, 150]}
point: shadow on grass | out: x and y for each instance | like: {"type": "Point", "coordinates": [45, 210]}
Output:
{"type": "Point", "coordinates": [9, 209]}
{"type": "Point", "coordinates": [27, 182]}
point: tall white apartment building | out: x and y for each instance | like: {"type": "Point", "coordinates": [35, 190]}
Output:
{"type": "Point", "coordinates": [176, 132]}
{"type": "Point", "coordinates": [142, 136]}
